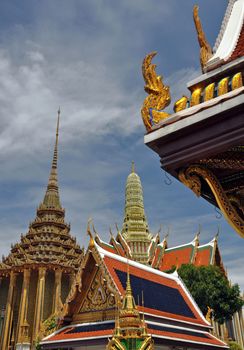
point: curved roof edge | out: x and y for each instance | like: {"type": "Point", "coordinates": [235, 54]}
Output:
{"type": "Point", "coordinates": [229, 33]}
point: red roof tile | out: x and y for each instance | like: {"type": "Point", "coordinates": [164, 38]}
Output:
{"type": "Point", "coordinates": [239, 49]}
{"type": "Point", "coordinates": [177, 257]}
{"type": "Point", "coordinates": [203, 256]}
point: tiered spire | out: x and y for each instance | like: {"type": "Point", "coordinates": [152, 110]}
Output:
{"type": "Point", "coordinates": [135, 227]}
{"type": "Point", "coordinates": [51, 199]}
{"type": "Point", "coordinates": [48, 240]}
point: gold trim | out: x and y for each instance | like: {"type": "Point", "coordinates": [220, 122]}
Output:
{"type": "Point", "coordinates": [223, 86]}
{"type": "Point", "coordinates": [236, 82]}
{"type": "Point", "coordinates": [191, 178]}
{"type": "Point", "coordinates": [209, 92]}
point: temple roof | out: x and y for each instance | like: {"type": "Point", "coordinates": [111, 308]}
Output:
{"type": "Point", "coordinates": [102, 330]}
{"type": "Point", "coordinates": [48, 240]}
{"type": "Point", "coordinates": [165, 258]}
{"type": "Point", "coordinates": [229, 44]}
{"type": "Point", "coordinates": [170, 312]}
{"type": "Point", "coordinates": [153, 282]}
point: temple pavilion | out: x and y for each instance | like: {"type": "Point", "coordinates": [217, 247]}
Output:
{"type": "Point", "coordinates": [90, 313]}
{"type": "Point", "coordinates": [36, 276]}
{"type": "Point", "coordinates": [171, 316]}
{"type": "Point", "coordinates": [202, 143]}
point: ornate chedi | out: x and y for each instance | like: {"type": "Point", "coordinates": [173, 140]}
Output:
{"type": "Point", "coordinates": [202, 143]}
{"type": "Point", "coordinates": [130, 330]}
{"type": "Point", "coordinates": [135, 229]}
{"type": "Point", "coordinates": [35, 277]}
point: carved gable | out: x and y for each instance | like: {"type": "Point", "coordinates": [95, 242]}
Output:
{"type": "Point", "coordinates": [99, 296]}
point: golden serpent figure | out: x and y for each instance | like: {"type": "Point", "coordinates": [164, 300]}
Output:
{"type": "Point", "coordinates": [191, 178]}
{"type": "Point", "coordinates": [159, 94]}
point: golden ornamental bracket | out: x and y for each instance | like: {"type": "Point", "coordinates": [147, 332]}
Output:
{"type": "Point", "coordinates": [205, 49]}
{"type": "Point", "coordinates": [159, 94]}
{"type": "Point", "coordinates": [191, 177]}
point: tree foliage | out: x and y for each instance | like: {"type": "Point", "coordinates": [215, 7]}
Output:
{"type": "Point", "coordinates": [234, 345]}
{"type": "Point", "coordinates": [209, 287]}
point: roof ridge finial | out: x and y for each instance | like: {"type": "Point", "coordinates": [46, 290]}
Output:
{"type": "Point", "coordinates": [217, 234]}
{"type": "Point", "coordinates": [132, 166]}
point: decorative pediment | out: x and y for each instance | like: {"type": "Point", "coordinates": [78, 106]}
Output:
{"type": "Point", "coordinates": [99, 296]}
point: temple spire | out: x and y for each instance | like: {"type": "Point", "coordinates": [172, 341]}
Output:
{"type": "Point", "coordinates": [128, 302]}
{"type": "Point", "coordinates": [135, 228]}
{"type": "Point", "coordinates": [51, 199]}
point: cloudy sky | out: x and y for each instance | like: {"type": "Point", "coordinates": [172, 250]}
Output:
{"type": "Point", "coordinates": [85, 56]}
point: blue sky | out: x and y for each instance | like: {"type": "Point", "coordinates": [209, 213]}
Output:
{"type": "Point", "coordinates": [85, 56]}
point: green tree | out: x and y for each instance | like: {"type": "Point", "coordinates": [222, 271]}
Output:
{"type": "Point", "coordinates": [209, 287]}
{"type": "Point", "coordinates": [234, 346]}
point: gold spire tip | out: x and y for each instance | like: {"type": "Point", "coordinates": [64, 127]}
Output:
{"type": "Point", "coordinates": [133, 166]}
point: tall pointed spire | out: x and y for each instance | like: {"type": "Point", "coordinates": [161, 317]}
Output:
{"type": "Point", "coordinates": [128, 301]}
{"type": "Point", "coordinates": [51, 199]}
{"type": "Point", "coordinates": [135, 227]}
{"type": "Point", "coordinates": [130, 331]}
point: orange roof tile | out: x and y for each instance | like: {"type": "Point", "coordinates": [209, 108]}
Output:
{"type": "Point", "coordinates": [177, 257]}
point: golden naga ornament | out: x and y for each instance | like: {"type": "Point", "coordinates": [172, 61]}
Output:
{"type": "Point", "coordinates": [205, 49]}
{"type": "Point", "coordinates": [191, 177]}
{"type": "Point", "coordinates": [159, 94]}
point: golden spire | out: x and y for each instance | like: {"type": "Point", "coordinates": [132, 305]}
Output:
{"type": "Point", "coordinates": [51, 199]}
{"type": "Point", "coordinates": [133, 166]}
{"type": "Point", "coordinates": [135, 228]}
{"type": "Point", "coordinates": [128, 302]}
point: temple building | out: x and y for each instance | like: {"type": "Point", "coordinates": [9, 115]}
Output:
{"type": "Point", "coordinates": [163, 258]}
{"type": "Point", "coordinates": [101, 305]}
{"type": "Point", "coordinates": [89, 316]}
{"type": "Point", "coordinates": [202, 143]}
{"type": "Point", "coordinates": [36, 276]}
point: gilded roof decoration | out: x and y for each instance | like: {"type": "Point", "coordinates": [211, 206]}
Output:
{"type": "Point", "coordinates": [159, 94]}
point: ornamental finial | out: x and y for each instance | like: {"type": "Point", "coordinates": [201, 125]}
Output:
{"type": "Point", "coordinates": [132, 166]}
{"type": "Point", "coordinates": [88, 230]}
{"type": "Point", "coordinates": [205, 49]}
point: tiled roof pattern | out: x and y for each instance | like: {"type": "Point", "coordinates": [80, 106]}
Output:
{"type": "Point", "coordinates": [157, 296]}
{"type": "Point", "coordinates": [177, 257]}
{"type": "Point", "coordinates": [106, 329]}
{"type": "Point", "coordinates": [203, 256]}
{"type": "Point", "coordinates": [148, 281]}
{"type": "Point", "coordinates": [239, 49]}
{"type": "Point", "coordinates": [154, 327]}
{"type": "Point", "coordinates": [91, 328]}
{"type": "Point", "coordinates": [188, 338]}
{"type": "Point", "coordinates": [79, 335]}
